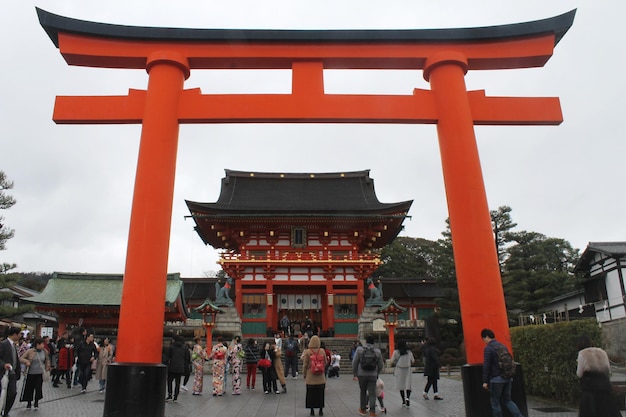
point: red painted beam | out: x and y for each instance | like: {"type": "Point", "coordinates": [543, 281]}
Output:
{"type": "Point", "coordinates": [419, 108]}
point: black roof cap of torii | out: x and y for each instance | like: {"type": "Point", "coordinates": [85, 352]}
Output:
{"type": "Point", "coordinates": [53, 24]}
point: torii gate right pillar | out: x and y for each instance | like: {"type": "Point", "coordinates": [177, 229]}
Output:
{"type": "Point", "coordinates": [475, 256]}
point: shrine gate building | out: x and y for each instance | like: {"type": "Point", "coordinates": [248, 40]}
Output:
{"type": "Point", "coordinates": [299, 244]}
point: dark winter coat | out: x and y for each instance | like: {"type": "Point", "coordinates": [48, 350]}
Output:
{"type": "Point", "coordinates": [178, 358]}
{"type": "Point", "coordinates": [85, 351]}
{"type": "Point", "coordinates": [431, 361]}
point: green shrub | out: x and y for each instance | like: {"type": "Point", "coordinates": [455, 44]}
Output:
{"type": "Point", "coordinates": [548, 356]}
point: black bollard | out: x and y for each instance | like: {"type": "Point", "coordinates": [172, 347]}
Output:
{"type": "Point", "coordinates": [135, 390]}
{"type": "Point", "coordinates": [477, 402]}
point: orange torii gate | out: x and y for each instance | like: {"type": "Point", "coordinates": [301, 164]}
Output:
{"type": "Point", "coordinates": [169, 55]}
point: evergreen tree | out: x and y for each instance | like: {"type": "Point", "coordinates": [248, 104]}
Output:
{"type": "Point", "coordinates": [538, 269]}
{"type": "Point", "coordinates": [407, 257]}
{"type": "Point", "coordinates": [502, 223]}
{"type": "Point", "coordinates": [6, 202]}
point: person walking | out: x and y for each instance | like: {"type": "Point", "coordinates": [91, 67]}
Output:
{"type": "Point", "coordinates": [198, 356]}
{"type": "Point", "coordinates": [252, 359]}
{"type": "Point", "coordinates": [86, 354]}
{"type": "Point", "coordinates": [188, 369]}
{"type": "Point", "coordinates": [53, 350]}
{"type": "Point", "coordinates": [431, 368]}
{"type": "Point", "coordinates": [177, 359]}
{"type": "Point", "coordinates": [37, 361]}
{"type": "Point", "coordinates": [403, 359]}
{"type": "Point", "coordinates": [593, 370]}
{"type": "Point", "coordinates": [312, 359]}
{"type": "Point", "coordinates": [235, 355]}
{"type": "Point", "coordinates": [66, 361]}
{"type": "Point", "coordinates": [105, 356]}
{"type": "Point", "coordinates": [292, 352]}
{"type": "Point", "coordinates": [218, 355]}
{"type": "Point", "coordinates": [498, 386]}
{"type": "Point", "coordinates": [367, 365]}
{"type": "Point", "coordinates": [9, 362]}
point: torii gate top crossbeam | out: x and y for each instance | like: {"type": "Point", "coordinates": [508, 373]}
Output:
{"type": "Point", "coordinates": [492, 47]}
{"type": "Point", "coordinates": [307, 53]}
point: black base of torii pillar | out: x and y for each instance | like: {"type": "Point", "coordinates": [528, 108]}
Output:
{"type": "Point", "coordinates": [135, 390]}
{"type": "Point", "coordinates": [477, 403]}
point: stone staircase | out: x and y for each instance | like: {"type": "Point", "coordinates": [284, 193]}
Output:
{"type": "Point", "coordinates": [342, 345]}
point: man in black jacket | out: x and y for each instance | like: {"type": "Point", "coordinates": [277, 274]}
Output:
{"type": "Point", "coordinates": [498, 385]}
{"type": "Point", "coordinates": [86, 354]}
{"type": "Point", "coordinates": [178, 357]}
{"type": "Point", "coordinates": [9, 361]}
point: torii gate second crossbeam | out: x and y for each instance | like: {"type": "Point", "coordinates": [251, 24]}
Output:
{"type": "Point", "coordinates": [169, 55]}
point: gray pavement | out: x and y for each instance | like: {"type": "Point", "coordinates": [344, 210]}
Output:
{"type": "Point", "coordinates": [342, 399]}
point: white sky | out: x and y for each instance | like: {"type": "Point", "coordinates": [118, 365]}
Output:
{"type": "Point", "coordinates": [74, 184]}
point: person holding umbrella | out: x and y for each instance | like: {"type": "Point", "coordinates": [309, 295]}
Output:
{"type": "Point", "coordinates": [37, 361]}
{"type": "Point", "coordinates": [9, 364]}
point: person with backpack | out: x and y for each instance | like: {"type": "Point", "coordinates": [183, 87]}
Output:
{"type": "Point", "coordinates": [313, 366]}
{"type": "Point", "coordinates": [498, 367]}
{"type": "Point", "coordinates": [291, 357]}
{"type": "Point", "coordinates": [366, 365]}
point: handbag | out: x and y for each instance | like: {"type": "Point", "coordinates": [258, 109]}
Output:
{"type": "Point", "coordinates": [45, 376]}
{"type": "Point", "coordinates": [265, 362]}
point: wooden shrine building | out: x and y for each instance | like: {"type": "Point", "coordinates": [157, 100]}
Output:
{"type": "Point", "coordinates": [299, 244]}
{"type": "Point", "coordinates": [93, 301]}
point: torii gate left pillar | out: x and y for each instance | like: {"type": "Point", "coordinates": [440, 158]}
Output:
{"type": "Point", "coordinates": [137, 380]}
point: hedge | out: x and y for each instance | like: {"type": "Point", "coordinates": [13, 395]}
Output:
{"type": "Point", "coordinates": [548, 356]}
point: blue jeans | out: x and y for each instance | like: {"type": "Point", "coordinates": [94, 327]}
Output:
{"type": "Point", "coordinates": [500, 393]}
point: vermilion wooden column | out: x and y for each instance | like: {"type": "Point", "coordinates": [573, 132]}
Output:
{"type": "Point", "coordinates": [475, 257]}
{"type": "Point", "coordinates": [137, 379]}
{"type": "Point", "coordinates": [149, 235]}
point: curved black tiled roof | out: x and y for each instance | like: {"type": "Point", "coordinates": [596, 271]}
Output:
{"type": "Point", "coordinates": [298, 193]}
{"type": "Point", "coordinates": [53, 24]}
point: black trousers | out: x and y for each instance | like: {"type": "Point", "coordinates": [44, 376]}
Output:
{"type": "Point", "coordinates": [173, 377]}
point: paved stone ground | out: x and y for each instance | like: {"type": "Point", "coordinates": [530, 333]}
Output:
{"type": "Point", "coordinates": [342, 399]}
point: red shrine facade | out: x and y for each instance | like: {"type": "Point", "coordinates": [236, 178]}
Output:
{"type": "Point", "coordinates": [299, 244]}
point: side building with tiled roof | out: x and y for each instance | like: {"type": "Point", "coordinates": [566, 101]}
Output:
{"type": "Point", "coordinates": [604, 268]}
{"type": "Point", "coordinates": [93, 300]}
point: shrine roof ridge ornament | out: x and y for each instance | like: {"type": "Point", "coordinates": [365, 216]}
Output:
{"type": "Point", "coordinates": [291, 175]}
{"type": "Point", "coordinates": [53, 24]}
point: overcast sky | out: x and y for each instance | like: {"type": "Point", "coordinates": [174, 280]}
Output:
{"type": "Point", "coordinates": [74, 184]}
